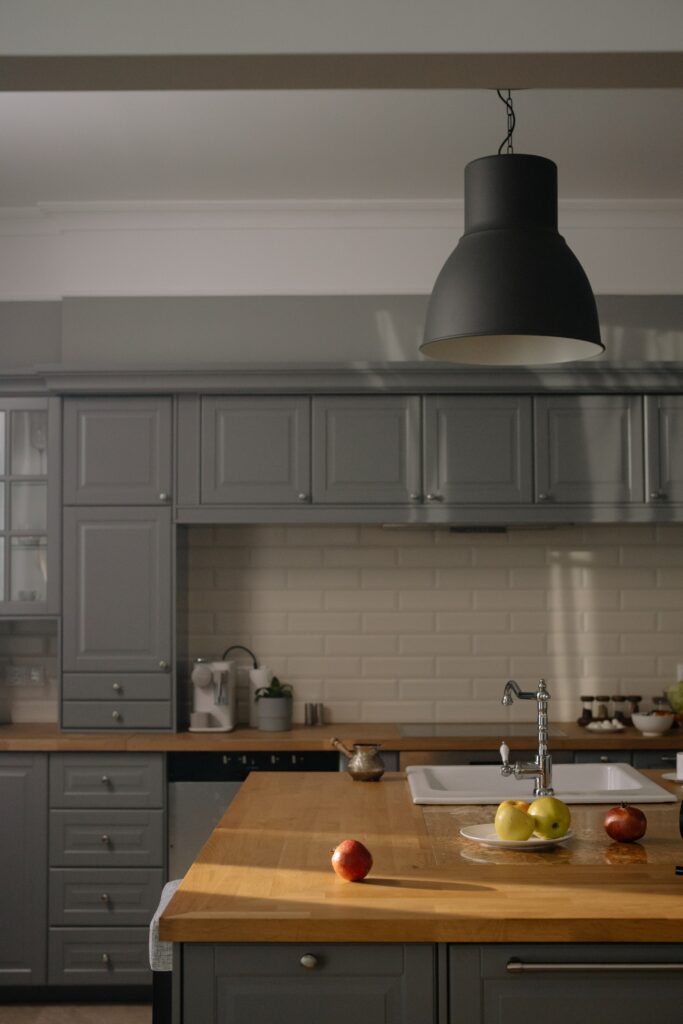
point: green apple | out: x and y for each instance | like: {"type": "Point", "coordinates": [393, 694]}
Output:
{"type": "Point", "coordinates": [511, 823]}
{"type": "Point", "coordinates": [552, 817]}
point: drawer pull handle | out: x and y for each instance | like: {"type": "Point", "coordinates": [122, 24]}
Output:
{"type": "Point", "coordinates": [163, 665]}
{"type": "Point", "coordinates": [116, 687]}
{"type": "Point", "coordinates": [116, 715]}
{"type": "Point", "coordinates": [106, 959]}
{"type": "Point", "coordinates": [657, 495]}
{"type": "Point", "coordinates": [105, 780]}
{"type": "Point", "coordinates": [302, 496]}
{"type": "Point", "coordinates": [519, 967]}
{"type": "Point", "coordinates": [164, 496]}
{"type": "Point", "coordinates": [415, 496]}
{"type": "Point", "coordinates": [105, 897]}
{"type": "Point", "coordinates": [434, 497]}
{"type": "Point", "coordinates": [309, 961]}
{"type": "Point", "coordinates": [105, 839]}
{"type": "Point", "coordinates": [544, 496]}
{"type": "Point", "coordinates": [604, 758]}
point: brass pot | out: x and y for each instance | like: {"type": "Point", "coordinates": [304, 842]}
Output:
{"type": "Point", "coordinates": [365, 763]}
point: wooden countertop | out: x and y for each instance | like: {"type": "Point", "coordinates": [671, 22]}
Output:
{"type": "Point", "coordinates": [48, 736]}
{"type": "Point", "coordinates": [264, 874]}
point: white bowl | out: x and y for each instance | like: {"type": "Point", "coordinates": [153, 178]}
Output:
{"type": "Point", "coordinates": [652, 725]}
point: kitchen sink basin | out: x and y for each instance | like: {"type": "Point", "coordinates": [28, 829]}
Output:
{"type": "Point", "coordinates": [573, 783]}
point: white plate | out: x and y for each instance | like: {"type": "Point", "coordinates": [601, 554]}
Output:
{"type": "Point", "coordinates": [672, 777]}
{"type": "Point", "coordinates": [486, 834]}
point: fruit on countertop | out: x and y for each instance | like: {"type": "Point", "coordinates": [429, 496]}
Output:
{"type": "Point", "coordinates": [351, 860]}
{"type": "Point", "coordinates": [625, 823]}
{"type": "Point", "coordinates": [552, 817]}
{"type": "Point", "coordinates": [523, 805]}
{"type": "Point", "coordinates": [512, 823]}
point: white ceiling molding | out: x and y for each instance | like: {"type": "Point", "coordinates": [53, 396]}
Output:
{"type": "Point", "coordinates": [298, 248]}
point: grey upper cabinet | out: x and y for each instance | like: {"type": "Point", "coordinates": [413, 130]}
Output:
{"type": "Point", "coordinates": [255, 450]}
{"type": "Point", "coordinates": [23, 869]}
{"type": "Point", "coordinates": [477, 449]}
{"type": "Point", "coordinates": [366, 449]}
{"type": "Point", "coordinates": [589, 449]}
{"type": "Point", "coordinates": [663, 449]}
{"type": "Point", "coordinates": [118, 590]}
{"type": "Point", "coordinates": [117, 451]}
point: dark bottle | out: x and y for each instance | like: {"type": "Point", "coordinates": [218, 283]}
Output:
{"type": "Point", "coordinates": [586, 712]}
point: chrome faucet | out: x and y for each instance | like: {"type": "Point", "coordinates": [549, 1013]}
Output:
{"type": "Point", "coordinates": [542, 768]}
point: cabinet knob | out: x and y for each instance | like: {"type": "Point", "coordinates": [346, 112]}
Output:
{"type": "Point", "coordinates": [106, 959]}
{"type": "Point", "coordinates": [116, 715]}
{"type": "Point", "coordinates": [309, 961]}
{"type": "Point", "coordinates": [164, 496]}
{"type": "Point", "coordinates": [105, 780]}
{"type": "Point", "coordinates": [657, 495]}
{"type": "Point", "coordinates": [105, 897]}
{"type": "Point", "coordinates": [116, 687]}
{"type": "Point", "coordinates": [604, 758]}
{"type": "Point", "coordinates": [544, 496]}
{"type": "Point", "coordinates": [105, 839]}
{"type": "Point", "coordinates": [434, 497]}
{"type": "Point", "coordinates": [164, 666]}
{"type": "Point", "coordinates": [302, 496]}
{"type": "Point", "coordinates": [415, 496]}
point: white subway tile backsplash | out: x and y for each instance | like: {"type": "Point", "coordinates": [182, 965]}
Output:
{"type": "Point", "coordinates": [421, 625]}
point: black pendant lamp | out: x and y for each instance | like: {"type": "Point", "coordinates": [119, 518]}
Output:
{"type": "Point", "coordinates": [512, 293]}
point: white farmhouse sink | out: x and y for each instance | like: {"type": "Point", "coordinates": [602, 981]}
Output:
{"type": "Point", "coordinates": [573, 783]}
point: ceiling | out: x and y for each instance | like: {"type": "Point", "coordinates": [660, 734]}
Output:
{"type": "Point", "coordinates": [104, 147]}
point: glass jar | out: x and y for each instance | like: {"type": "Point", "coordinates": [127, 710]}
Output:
{"type": "Point", "coordinates": [601, 711]}
{"type": "Point", "coordinates": [586, 711]}
{"type": "Point", "coordinates": [618, 712]}
{"type": "Point", "coordinates": [632, 708]}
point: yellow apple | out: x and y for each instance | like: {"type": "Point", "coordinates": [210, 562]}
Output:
{"type": "Point", "coordinates": [512, 823]}
{"type": "Point", "coordinates": [522, 805]}
{"type": "Point", "coordinates": [552, 817]}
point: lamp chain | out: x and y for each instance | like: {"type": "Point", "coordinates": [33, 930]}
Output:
{"type": "Point", "coordinates": [511, 119]}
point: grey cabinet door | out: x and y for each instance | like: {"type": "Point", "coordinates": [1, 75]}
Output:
{"type": "Point", "coordinates": [23, 869]}
{"type": "Point", "coordinates": [389, 984]}
{"type": "Point", "coordinates": [117, 451]}
{"type": "Point", "coordinates": [255, 450]}
{"type": "Point", "coordinates": [117, 590]}
{"type": "Point", "coordinates": [477, 449]}
{"type": "Point", "coordinates": [589, 449]}
{"type": "Point", "coordinates": [484, 990]}
{"type": "Point", "coordinates": [664, 449]}
{"type": "Point", "coordinates": [366, 449]}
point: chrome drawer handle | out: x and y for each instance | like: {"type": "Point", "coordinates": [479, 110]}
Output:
{"type": "Point", "coordinates": [657, 495]}
{"type": "Point", "coordinates": [415, 496]}
{"type": "Point", "coordinates": [544, 496]}
{"type": "Point", "coordinates": [309, 961]}
{"type": "Point", "coordinates": [519, 967]}
{"type": "Point", "coordinates": [164, 496]}
{"type": "Point", "coordinates": [604, 758]}
{"type": "Point", "coordinates": [163, 665]}
{"type": "Point", "coordinates": [116, 715]}
{"type": "Point", "coordinates": [105, 897]}
{"type": "Point", "coordinates": [434, 497]}
{"type": "Point", "coordinates": [106, 959]}
{"type": "Point", "coordinates": [105, 839]}
{"type": "Point", "coordinates": [116, 687]}
{"type": "Point", "coordinates": [302, 496]}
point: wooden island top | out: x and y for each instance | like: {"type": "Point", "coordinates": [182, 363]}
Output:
{"type": "Point", "coordinates": [264, 874]}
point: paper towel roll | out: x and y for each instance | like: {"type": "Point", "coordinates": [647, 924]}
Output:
{"type": "Point", "coordinates": [258, 677]}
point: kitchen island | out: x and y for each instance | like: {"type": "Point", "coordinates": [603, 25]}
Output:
{"type": "Point", "coordinates": [442, 929]}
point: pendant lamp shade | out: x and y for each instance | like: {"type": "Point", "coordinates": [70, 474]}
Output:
{"type": "Point", "coordinates": [512, 293]}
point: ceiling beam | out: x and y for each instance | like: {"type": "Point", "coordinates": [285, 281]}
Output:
{"type": "Point", "coordinates": [343, 71]}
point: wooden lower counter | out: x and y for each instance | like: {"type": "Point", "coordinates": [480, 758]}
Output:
{"type": "Point", "coordinates": [264, 874]}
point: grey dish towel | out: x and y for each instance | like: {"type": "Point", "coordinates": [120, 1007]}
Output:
{"type": "Point", "coordinates": [161, 953]}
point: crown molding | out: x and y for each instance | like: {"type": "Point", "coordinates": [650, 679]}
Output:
{"type": "Point", "coordinates": [346, 214]}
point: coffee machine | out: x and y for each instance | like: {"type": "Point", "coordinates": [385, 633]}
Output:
{"type": "Point", "coordinates": [214, 696]}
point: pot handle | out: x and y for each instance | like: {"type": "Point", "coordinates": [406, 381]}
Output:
{"type": "Point", "coordinates": [338, 745]}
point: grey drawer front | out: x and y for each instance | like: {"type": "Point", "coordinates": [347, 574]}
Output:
{"type": "Point", "coordinates": [104, 896]}
{"type": "Point", "coordinates": [106, 780]}
{"type": "Point", "coordinates": [655, 759]}
{"type": "Point", "coordinates": [99, 956]}
{"type": "Point", "coordinates": [114, 686]}
{"type": "Point", "coordinates": [120, 714]}
{"type": "Point", "coordinates": [273, 960]}
{"type": "Point", "coordinates": [106, 838]}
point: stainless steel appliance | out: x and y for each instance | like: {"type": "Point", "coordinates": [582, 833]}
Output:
{"type": "Point", "coordinates": [203, 783]}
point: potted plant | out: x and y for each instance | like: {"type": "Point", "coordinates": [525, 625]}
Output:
{"type": "Point", "coordinates": [274, 706]}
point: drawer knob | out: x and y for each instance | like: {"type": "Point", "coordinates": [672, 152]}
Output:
{"type": "Point", "coordinates": [434, 497]}
{"type": "Point", "coordinates": [106, 959]}
{"type": "Point", "coordinates": [657, 495]}
{"type": "Point", "coordinates": [604, 758]}
{"type": "Point", "coordinates": [105, 839]}
{"type": "Point", "coordinates": [309, 961]}
{"type": "Point", "coordinates": [116, 687]}
{"type": "Point", "coordinates": [164, 496]}
{"type": "Point", "coordinates": [302, 496]}
{"type": "Point", "coordinates": [105, 897]}
{"type": "Point", "coordinates": [544, 496]}
{"type": "Point", "coordinates": [116, 715]}
{"type": "Point", "coordinates": [415, 496]}
{"type": "Point", "coordinates": [105, 780]}
{"type": "Point", "coordinates": [163, 665]}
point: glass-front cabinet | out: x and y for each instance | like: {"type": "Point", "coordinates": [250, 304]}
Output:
{"type": "Point", "coordinates": [28, 506]}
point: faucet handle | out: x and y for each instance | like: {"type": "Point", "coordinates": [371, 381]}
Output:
{"type": "Point", "coordinates": [504, 753]}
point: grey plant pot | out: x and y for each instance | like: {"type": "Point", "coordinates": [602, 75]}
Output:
{"type": "Point", "coordinates": [274, 714]}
